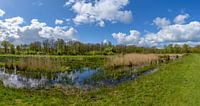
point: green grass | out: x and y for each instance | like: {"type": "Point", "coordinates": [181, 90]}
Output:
{"type": "Point", "coordinates": [174, 84]}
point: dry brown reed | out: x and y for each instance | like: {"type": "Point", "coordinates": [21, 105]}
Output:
{"type": "Point", "coordinates": [132, 60]}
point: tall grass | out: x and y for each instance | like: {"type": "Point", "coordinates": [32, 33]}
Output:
{"type": "Point", "coordinates": [35, 64]}
{"type": "Point", "coordinates": [132, 60]}
{"type": "Point", "coordinates": [52, 63]}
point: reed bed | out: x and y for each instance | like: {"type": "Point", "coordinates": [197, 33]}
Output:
{"type": "Point", "coordinates": [132, 60]}
{"type": "Point", "coordinates": [35, 64]}
{"type": "Point", "coordinates": [52, 63]}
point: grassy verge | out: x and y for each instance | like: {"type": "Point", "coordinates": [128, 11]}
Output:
{"type": "Point", "coordinates": [176, 84]}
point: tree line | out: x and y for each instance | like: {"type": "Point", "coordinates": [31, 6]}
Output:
{"type": "Point", "coordinates": [60, 47]}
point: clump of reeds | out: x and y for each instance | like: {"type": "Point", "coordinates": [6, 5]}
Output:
{"type": "Point", "coordinates": [35, 64]}
{"type": "Point", "coordinates": [132, 60]}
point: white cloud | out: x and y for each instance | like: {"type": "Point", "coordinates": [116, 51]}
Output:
{"type": "Point", "coordinates": [161, 22]}
{"type": "Point", "coordinates": [180, 19]}
{"type": "Point", "coordinates": [14, 21]}
{"type": "Point", "coordinates": [9, 28]}
{"type": "Point", "coordinates": [132, 38]}
{"type": "Point", "coordinates": [180, 33]}
{"type": "Point", "coordinates": [100, 11]}
{"type": "Point", "coordinates": [2, 13]}
{"type": "Point", "coordinates": [69, 2]}
{"type": "Point", "coordinates": [171, 34]}
{"type": "Point", "coordinates": [59, 22]}
{"type": "Point", "coordinates": [12, 30]}
{"type": "Point", "coordinates": [101, 24]}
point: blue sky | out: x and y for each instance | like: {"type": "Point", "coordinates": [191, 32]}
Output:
{"type": "Point", "coordinates": [143, 13]}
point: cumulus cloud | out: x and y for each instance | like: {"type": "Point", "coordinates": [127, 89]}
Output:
{"type": "Point", "coordinates": [132, 38]}
{"type": "Point", "coordinates": [100, 11]}
{"type": "Point", "coordinates": [59, 22]}
{"type": "Point", "coordinates": [161, 22]}
{"type": "Point", "coordinates": [14, 21]}
{"type": "Point", "coordinates": [180, 19]}
{"type": "Point", "coordinates": [11, 29]}
{"type": "Point", "coordinates": [177, 33]}
{"type": "Point", "coordinates": [2, 13]}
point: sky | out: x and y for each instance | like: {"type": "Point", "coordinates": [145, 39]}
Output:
{"type": "Point", "coordinates": [130, 22]}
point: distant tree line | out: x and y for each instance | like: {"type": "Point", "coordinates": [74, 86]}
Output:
{"type": "Point", "coordinates": [60, 47]}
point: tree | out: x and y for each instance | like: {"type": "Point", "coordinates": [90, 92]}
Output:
{"type": "Point", "coordinates": [46, 46]}
{"type": "Point", "coordinates": [169, 48]}
{"type": "Point", "coordinates": [18, 49]}
{"type": "Point", "coordinates": [185, 48]}
{"type": "Point", "coordinates": [5, 45]}
{"type": "Point", "coordinates": [109, 50]}
{"type": "Point", "coordinates": [177, 49]}
{"type": "Point", "coordinates": [60, 46]}
{"type": "Point", "coordinates": [35, 46]}
{"type": "Point", "coordinates": [12, 49]}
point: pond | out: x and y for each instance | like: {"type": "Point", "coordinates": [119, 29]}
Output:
{"type": "Point", "coordinates": [79, 78]}
{"type": "Point", "coordinates": [17, 80]}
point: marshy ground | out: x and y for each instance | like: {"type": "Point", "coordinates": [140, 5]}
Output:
{"type": "Point", "coordinates": [174, 83]}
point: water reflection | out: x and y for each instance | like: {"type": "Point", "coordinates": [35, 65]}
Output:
{"type": "Point", "coordinates": [81, 78]}
{"type": "Point", "coordinates": [113, 82]}
{"type": "Point", "coordinates": [76, 78]}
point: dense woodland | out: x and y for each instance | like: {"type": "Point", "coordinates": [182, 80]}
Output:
{"type": "Point", "coordinates": [60, 47]}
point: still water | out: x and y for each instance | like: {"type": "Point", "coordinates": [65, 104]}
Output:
{"type": "Point", "coordinates": [79, 78]}
{"type": "Point", "coordinates": [75, 78]}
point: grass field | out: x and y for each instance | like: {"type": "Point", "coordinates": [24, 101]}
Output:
{"type": "Point", "coordinates": [176, 83]}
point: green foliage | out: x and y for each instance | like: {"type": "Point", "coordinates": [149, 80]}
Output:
{"type": "Point", "coordinates": [12, 49]}
{"type": "Point", "coordinates": [5, 45]}
{"type": "Point", "coordinates": [109, 50]}
{"type": "Point", "coordinates": [60, 47]}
